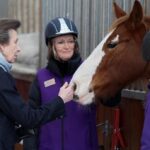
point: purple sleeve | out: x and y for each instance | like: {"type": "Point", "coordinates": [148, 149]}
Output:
{"type": "Point", "coordinates": [145, 139]}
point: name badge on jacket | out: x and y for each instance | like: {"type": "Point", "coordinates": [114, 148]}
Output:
{"type": "Point", "coordinates": [49, 82]}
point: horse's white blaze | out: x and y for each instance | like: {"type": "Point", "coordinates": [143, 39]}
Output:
{"type": "Point", "coordinates": [116, 39]}
{"type": "Point", "coordinates": [83, 76]}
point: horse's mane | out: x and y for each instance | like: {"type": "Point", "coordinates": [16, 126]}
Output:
{"type": "Point", "coordinates": [117, 22]}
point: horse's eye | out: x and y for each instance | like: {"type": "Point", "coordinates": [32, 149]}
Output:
{"type": "Point", "coordinates": [111, 45]}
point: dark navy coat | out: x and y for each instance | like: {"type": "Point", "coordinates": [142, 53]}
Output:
{"type": "Point", "coordinates": [13, 110]}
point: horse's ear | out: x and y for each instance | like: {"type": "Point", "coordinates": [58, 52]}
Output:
{"type": "Point", "coordinates": [118, 11]}
{"type": "Point", "coordinates": [136, 15]}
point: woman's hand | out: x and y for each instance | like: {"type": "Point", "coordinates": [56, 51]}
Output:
{"type": "Point", "coordinates": [66, 92]}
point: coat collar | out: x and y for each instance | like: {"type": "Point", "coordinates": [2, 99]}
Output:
{"type": "Point", "coordinates": [5, 64]}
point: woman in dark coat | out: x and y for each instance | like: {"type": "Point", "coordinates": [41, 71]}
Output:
{"type": "Point", "coordinates": [13, 111]}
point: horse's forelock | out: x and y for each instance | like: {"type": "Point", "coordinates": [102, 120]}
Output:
{"type": "Point", "coordinates": [119, 21]}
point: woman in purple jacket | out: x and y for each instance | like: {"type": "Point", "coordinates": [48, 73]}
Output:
{"type": "Point", "coordinates": [76, 130]}
{"type": "Point", "coordinates": [145, 138]}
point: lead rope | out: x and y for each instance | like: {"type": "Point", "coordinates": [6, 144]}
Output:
{"type": "Point", "coordinates": [117, 138]}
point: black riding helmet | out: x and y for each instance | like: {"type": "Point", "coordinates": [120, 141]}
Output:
{"type": "Point", "coordinates": [59, 26]}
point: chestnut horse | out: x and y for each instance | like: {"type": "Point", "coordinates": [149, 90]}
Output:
{"type": "Point", "coordinates": [117, 60]}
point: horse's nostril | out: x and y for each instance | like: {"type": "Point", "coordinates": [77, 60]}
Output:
{"type": "Point", "coordinates": [90, 90]}
{"type": "Point", "coordinates": [74, 86]}
{"type": "Point", "coordinates": [75, 97]}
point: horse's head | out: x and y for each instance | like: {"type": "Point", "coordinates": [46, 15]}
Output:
{"type": "Point", "coordinates": [116, 61]}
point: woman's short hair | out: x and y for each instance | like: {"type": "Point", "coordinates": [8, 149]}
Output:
{"type": "Point", "coordinates": [5, 26]}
